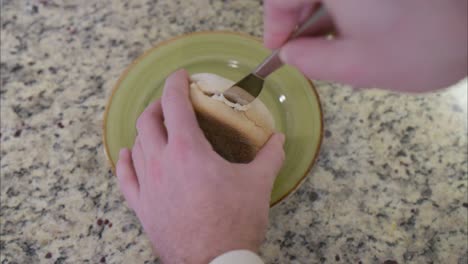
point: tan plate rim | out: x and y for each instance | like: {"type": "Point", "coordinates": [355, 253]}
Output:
{"type": "Point", "coordinates": [168, 41]}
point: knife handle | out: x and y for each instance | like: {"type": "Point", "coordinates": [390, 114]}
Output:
{"type": "Point", "coordinates": [312, 25]}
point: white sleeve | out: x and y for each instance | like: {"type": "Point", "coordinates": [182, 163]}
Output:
{"type": "Point", "coordinates": [238, 256]}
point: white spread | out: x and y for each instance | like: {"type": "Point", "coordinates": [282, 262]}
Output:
{"type": "Point", "coordinates": [213, 85]}
{"type": "Point", "coordinates": [235, 106]}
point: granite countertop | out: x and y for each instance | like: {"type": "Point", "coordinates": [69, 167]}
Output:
{"type": "Point", "coordinates": [390, 183]}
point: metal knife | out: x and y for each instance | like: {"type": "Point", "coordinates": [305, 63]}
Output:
{"type": "Point", "coordinates": [249, 87]}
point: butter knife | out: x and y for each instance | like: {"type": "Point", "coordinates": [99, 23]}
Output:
{"type": "Point", "coordinates": [249, 87]}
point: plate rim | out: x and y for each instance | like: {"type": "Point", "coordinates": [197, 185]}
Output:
{"type": "Point", "coordinates": [124, 74]}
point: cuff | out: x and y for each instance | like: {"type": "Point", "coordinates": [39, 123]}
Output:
{"type": "Point", "coordinates": [238, 256]}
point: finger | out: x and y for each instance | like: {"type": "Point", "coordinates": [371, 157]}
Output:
{"type": "Point", "coordinates": [281, 18]}
{"type": "Point", "coordinates": [138, 160]}
{"type": "Point", "coordinates": [179, 115]}
{"type": "Point", "coordinates": [127, 178]}
{"type": "Point", "coordinates": [151, 130]}
{"type": "Point", "coordinates": [319, 58]}
{"type": "Point", "coordinates": [322, 27]}
{"type": "Point", "coordinates": [269, 159]}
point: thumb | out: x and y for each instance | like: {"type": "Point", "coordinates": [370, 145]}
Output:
{"type": "Point", "coordinates": [269, 159]}
{"type": "Point", "coordinates": [319, 58]}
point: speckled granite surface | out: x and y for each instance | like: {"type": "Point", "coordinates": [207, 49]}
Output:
{"type": "Point", "coordinates": [390, 183]}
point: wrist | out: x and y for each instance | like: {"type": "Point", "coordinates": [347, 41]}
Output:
{"type": "Point", "coordinates": [203, 253]}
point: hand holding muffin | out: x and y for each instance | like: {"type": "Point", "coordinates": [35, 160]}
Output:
{"type": "Point", "coordinates": [193, 204]}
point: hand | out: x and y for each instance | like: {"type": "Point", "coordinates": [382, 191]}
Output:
{"type": "Point", "coordinates": [403, 45]}
{"type": "Point", "coordinates": [193, 204]}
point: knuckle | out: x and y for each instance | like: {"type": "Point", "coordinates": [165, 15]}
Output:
{"type": "Point", "coordinates": [182, 147]}
{"type": "Point", "coordinates": [170, 97]}
{"type": "Point", "coordinates": [154, 170]}
{"type": "Point", "coordinates": [181, 143]}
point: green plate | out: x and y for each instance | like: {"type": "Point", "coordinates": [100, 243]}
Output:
{"type": "Point", "coordinates": [290, 97]}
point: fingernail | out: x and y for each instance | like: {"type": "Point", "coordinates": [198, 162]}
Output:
{"type": "Point", "coordinates": [281, 138]}
{"type": "Point", "coordinates": [122, 152]}
{"type": "Point", "coordinates": [282, 56]}
{"type": "Point", "coordinates": [182, 71]}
